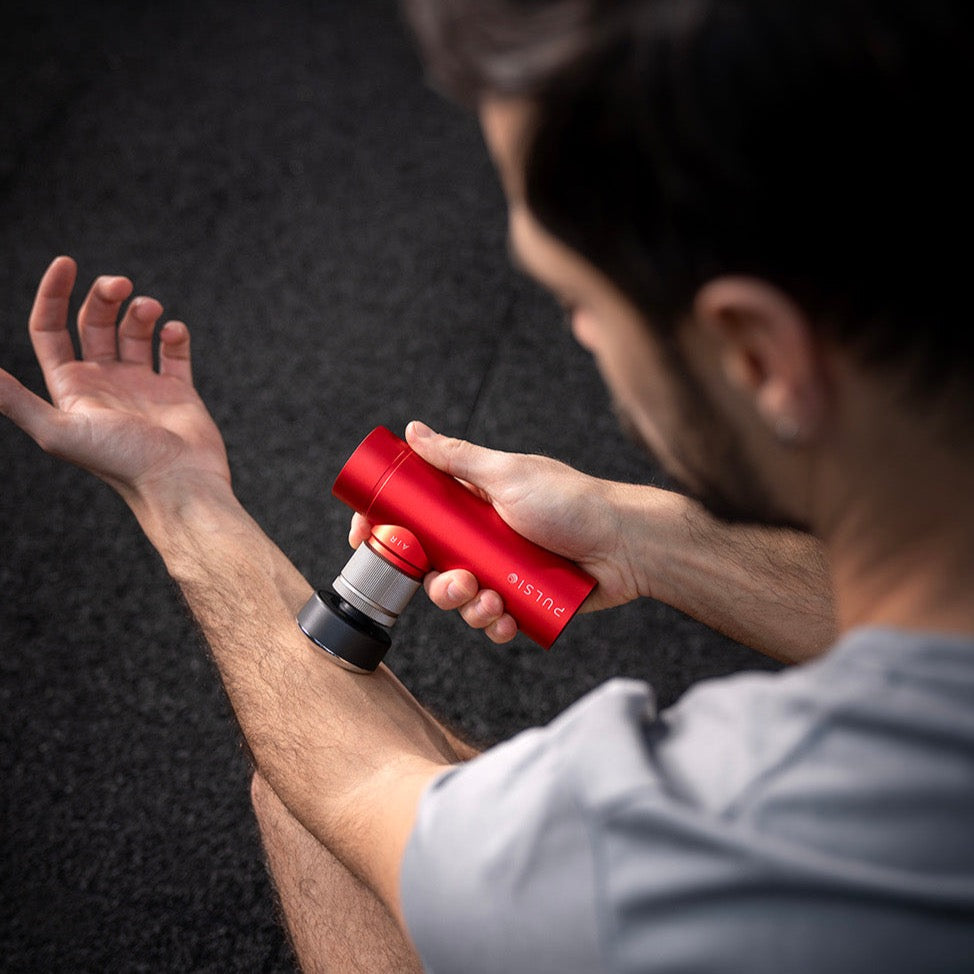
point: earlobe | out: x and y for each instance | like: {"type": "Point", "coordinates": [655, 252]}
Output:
{"type": "Point", "coordinates": [767, 352]}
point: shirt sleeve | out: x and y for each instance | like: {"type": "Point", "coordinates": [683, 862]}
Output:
{"type": "Point", "coordinates": [499, 874]}
{"type": "Point", "coordinates": [814, 820]}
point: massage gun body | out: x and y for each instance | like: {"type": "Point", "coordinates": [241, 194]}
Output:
{"type": "Point", "coordinates": [426, 519]}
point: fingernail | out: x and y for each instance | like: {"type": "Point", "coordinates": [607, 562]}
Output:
{"type": "Point", "coordinates": [419, 430]}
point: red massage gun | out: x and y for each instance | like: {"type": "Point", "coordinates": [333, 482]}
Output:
{"type": "Point", "coordinates": [424, 519]}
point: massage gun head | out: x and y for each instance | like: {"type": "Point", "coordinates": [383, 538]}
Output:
{"type": "Point", "coordinates": [351, 623]}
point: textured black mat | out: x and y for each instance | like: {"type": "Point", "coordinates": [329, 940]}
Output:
{"type": "Point", "coordinates": [280, 177]}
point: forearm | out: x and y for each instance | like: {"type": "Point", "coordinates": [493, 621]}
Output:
{"type": "Point", "coordinates": [765, 587]}
{"type": "Point", "coordinates": [349, 754]}
{"type": "Point", "coordinates": [338, 748]}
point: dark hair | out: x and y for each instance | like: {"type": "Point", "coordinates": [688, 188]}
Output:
{"type": "Point", "coordinates": [817, 144]}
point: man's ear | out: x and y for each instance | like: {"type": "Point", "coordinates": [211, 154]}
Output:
{"type": "Point", "coordinates": [768, 353]}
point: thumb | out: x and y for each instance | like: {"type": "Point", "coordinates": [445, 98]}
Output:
{"type": "Point", "coordinates": [34, 415]}
{"type": "Point", "coordinates": [476, 465]}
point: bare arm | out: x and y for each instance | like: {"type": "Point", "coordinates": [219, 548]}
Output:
{"type": "Point", "coordinates": [768, 588]}
{"type": "Point", "coordinates": [349, 755]}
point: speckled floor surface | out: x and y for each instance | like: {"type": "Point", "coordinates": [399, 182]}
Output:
{"type": "Point", "coordinates": [282, 179]}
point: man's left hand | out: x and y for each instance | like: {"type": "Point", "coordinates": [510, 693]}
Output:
{"type": "Point", "coordinates": [113, 412]}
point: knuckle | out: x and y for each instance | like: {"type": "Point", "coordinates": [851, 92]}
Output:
{"type": "Point", "coordinates": [444, 596]}
{"type": "Point", "coordinates": [478, 613]}
{"type": "Point", "coordinates": [455, 451]}
{"type": "Point", "coordinates": [493, 603]}
{"type": "Point", "coordinates": [472, 617]}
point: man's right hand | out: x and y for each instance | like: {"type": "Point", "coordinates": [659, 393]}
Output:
{"type": "Point", "coordinates": [551, 504]}
{"type": "Point", "coordinates": [766, 587]}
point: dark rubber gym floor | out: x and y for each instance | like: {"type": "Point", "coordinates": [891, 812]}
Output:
{"type": "Point", "coordinates": [281, 178]}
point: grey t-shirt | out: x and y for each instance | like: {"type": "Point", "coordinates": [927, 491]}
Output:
{"type": "Point", "coordinates": [819, 820]}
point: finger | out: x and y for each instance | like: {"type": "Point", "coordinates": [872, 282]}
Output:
{"type": "Point", "coordinates": [135, 331]}
{"type": "Point", "coordinates": [174, 357]}
{"type": "Point", "coordinates": [476, 465]}
{"type": "Point", "coordinates": [452, 589]}
{"type": "Point", "coordinates": [503, 630]}
{"type": "Point", "coordinates": [483, 610]}
{"type": "Point", "coordinates": [48, 324]}
{"type": "Point", "coordinates": [35, 416]}
{"type": "Point", "coordinates": [98, 317]}
{"type": "Point", "coordinates": [359, 530]}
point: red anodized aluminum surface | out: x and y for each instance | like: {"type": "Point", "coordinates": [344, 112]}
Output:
{"type": "Point", "coordinates": [400, 548]}
{"type": "Point", "coordinates": [385, 481]}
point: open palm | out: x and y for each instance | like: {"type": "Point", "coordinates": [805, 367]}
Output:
{"type": "Point", "coordinates": [113, 413]}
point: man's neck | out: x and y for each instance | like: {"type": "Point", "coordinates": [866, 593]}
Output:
{"type": "Point", "coordinates": [900, 532]}
{"type": "Point", "coordinates": [925, 584]}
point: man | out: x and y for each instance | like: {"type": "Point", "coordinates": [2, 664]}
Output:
{"type": "Point", "coordinates": [738, 203]}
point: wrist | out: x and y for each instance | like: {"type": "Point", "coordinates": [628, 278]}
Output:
{"type": "Point", "coordinates": [182, 514]}
{"type": "Point", "coordinates": [654, 531]}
